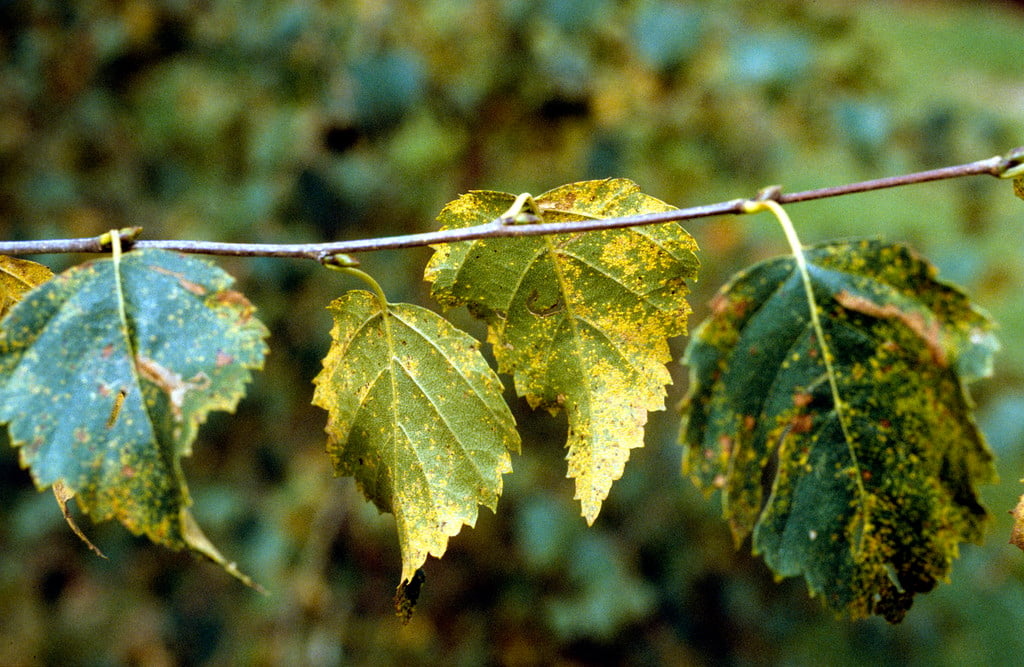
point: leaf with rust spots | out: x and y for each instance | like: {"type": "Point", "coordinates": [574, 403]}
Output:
{"type": "Point", "coordinates": [18, 276]}
{"type": "Point", "coordinates": [106, 373]}
{"type": "Point", "coordinates": [868, 503]}
{"type": "Point", "coordinates": [1017, 534]}
{"type": "Point", "coordinates": [417, 417]}
{"type": "Point", "coordinates": [580, 320]}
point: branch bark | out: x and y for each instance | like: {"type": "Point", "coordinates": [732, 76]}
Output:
{"type": "Point", "coordinates": [1000, 166]}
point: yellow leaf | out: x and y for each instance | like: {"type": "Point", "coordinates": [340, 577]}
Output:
{"type": "Point", "coordinates": [18, 276]}
{"type": "Point", "coordinates": [582, 321]}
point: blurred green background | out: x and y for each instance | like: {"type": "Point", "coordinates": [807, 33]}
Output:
{"type": "Point", "coordinates": [288, 121]}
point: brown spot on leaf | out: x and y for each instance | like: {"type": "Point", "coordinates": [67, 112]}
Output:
{"type": "Point", "coordinates": [723, 304]}
{"type": "Point", "coordinates": [719, 304]}
{"type": "Point", "coordinates": [237, 301]}
{"type": "Point", "coordinates": [928, 331]}
{"type": "Point", "coordinates": [801, 424]}
{"type": "Point", "coordinates": [224, 359]}
{"type": "Point", "coordinates": [802, 399]}
{"type": "Point", "coordinates": [170, 383]}
{"type": "Point", "coordinates": [195, 288]}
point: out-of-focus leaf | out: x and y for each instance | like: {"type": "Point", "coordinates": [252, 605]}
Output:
{"type": "Point", "coordinates": [106, 373]}
{"type": "Point", "coordinates": [666, 34]}
{"type": "Point", "coordinates": [581, 320]}
{"type": "Point", "coordinates": [870, 502]}
{"type": "Point", "coordinates": [1017, 534]}
{"type": "Point", "coordinates": [18, 276]}
{"type": "Point", "coordinates": [416, 416]}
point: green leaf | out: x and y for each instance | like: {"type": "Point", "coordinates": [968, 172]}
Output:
{"type": "Point", "coordinates": [581, 320]}
{"type": "Point", "coordinates": [416, 416]}
{"type": "Point", "coordinates": [106, 373]}
{"type": "Point", "coordinates": [869, 502]}
{"type": "Point", "coordinates": [18, 276]}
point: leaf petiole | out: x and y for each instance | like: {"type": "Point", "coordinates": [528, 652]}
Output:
{"type": "Point", "coordinates": [766, 202]}
{"type": "Point", "coordinates": [347, 264]}
{"type": "Point", "coordinates": [523, 211]}
{"type": "Point", "coordinates": [112, 240]}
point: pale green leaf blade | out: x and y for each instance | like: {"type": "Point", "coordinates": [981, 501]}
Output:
{"type": "Point", "coordinates": [872, 511]}
{"type": "Point", "coordinates": [581, 321]}
{"type": "Point", "coordinates": [18, 276]}
{"type": "Point", "coordinates": [416, 416]}
{"type": "Point", "coordinates": [106, 373]}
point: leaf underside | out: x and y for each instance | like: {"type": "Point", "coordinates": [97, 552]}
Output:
{"type": "Point", "coordinates": [581, 321]}
{"type": "Point", "coordinates": [417, 417]}
{"type": "Point", "coordinates": [106, 373]}
{"type": "Point", "coordinates": [868, 503]}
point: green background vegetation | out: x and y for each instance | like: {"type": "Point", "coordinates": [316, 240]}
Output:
{"type": "Point", "coordinates": [280, 121]}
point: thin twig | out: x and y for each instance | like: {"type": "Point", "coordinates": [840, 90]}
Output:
{"type": "Point", "coordinates": [995, 166]}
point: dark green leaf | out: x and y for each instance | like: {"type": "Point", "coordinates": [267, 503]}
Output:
{"type": "Point", "coordinates": [107, 371]}
{"type": "Point", "coordinates": [869, 502]}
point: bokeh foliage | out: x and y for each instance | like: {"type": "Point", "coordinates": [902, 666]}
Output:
{"type": "Point", "coordinates": [283, 121]}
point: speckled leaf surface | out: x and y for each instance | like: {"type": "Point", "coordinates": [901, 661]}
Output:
{"type": "Point", "coordinates": [416, 416]}
{"type": "Point", "coordinates": [870, 508]}
{"type": "Point", "coordinates": [580, 320]}
{"type": "Point", "coordinates": [108, 369]}
{"type": "Point", "coordinates": [18, 276]}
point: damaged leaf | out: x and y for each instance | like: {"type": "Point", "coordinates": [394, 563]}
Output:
{"type": "Point", "coordinates": [580, 320]}
{"type": "Point", "coordinates": [18, 276]}
{"type": "Point", "coordinates": [106, 373]}
{"type": "Point", "coordinates": [869, 502]}
{"type": "Point", "coordinates": [416, 416]}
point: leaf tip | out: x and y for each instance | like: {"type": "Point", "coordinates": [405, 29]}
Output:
{"type": "Point", "coordinates": [196, 540]}
{"type": "Point", "coordinates": [63, 493]}
{"type": "Point", "coordinates": [407, 595]}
